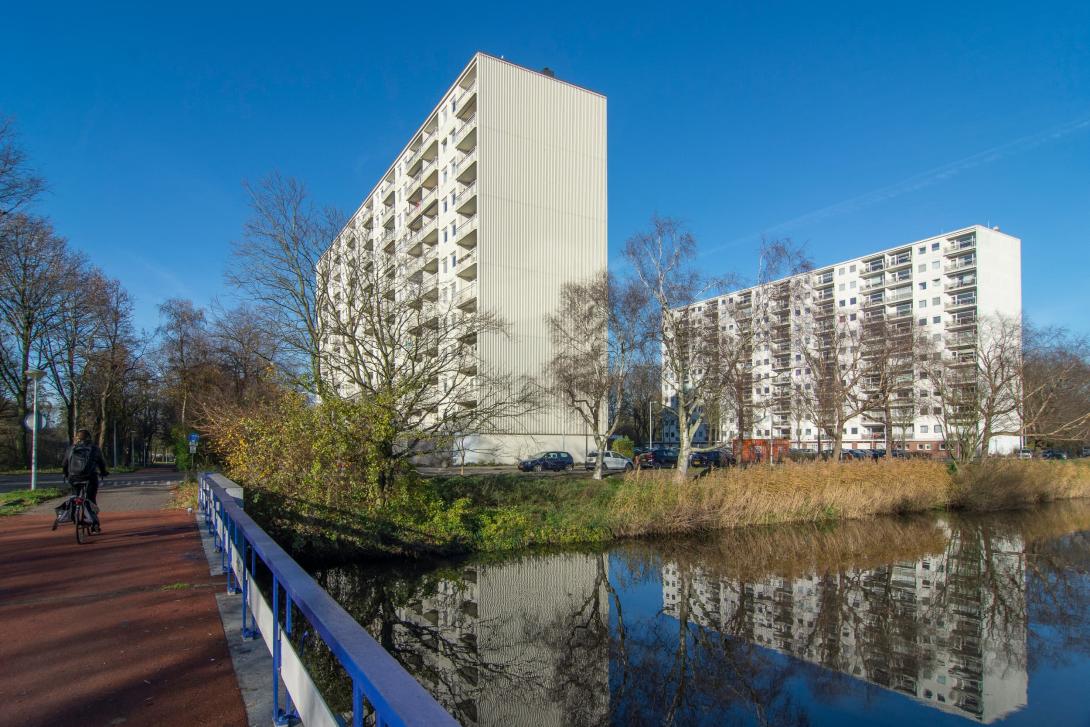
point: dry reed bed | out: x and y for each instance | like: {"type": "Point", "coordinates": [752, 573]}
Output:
{"type": "Point", "coordinates": [653, 503]}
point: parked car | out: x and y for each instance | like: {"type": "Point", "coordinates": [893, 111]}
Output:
{"type": "Point", "coordinates": [1085, 452]}
{"type": "Point", "coordinates": [556, 461]}
{"type": "Point", "coordinates": [1053, 454]}
{"type": "Point", "coordinates": [610, 461]}
{"type": "Point", "coordinates": [1025, 453]}
{"type": "Point", "coordinates": [657, 458]}
{"type": "Point", "coordinates": [801, 455]}
{"type": "Point", "coordinates": [712, 458]}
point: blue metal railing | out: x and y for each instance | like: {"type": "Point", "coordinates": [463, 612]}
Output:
{"type": "Point", "coordinates": [395, 696]}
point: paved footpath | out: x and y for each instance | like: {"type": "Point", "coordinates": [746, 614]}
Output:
{"type": "Point", "coordinates": [123, 630]}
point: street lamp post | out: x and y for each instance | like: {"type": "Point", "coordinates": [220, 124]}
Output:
{"type": "Point", "coordinates": [34, 375]}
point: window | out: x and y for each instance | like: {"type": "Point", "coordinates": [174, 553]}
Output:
{"type": "Point", "coordinates": [840, 271]}
{"type": "Point", "coordinates": [852, 301]}
{"type": "Point", "coordinates": [937, 319]}
{"type": "Point", "coordinates": [851, 284]}
{"type": "Point", "coordinates": [938, 429]}
{"type": "Point", "coordinates": [934, 247]}
{"type": "Point", "coordinates": [855, 430]}
{"type": "Point", "coordinates": [851, 317]}
{"type": "Point", "coordinates": [923, 429]}
{"type": "Point", "coordinates": [921, 268]}
{"type": "Point", "coordinates": [444, 234]}
{"type": "Point", "coordinates": [935, 264]}
{"type": "Point", "coordinates": [841, 303]}
{"type": "Point", "coordinates": [936, 300]}
{"type": "Point", "coordinates": [852, 268]}
{"type": "Point", "coordinates": [923, 286]}
{"type": "Point", "coordinates": [841, 287]}
{"type": "Point", "coordinates": [923, 321]}
{"type": "Point", "coordinates": [923, 304]}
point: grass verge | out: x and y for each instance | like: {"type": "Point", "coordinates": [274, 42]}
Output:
{"type": "Point", "coordinates": [445, 515]}
{"type": "Point", "coordinates": [184, 495]}
{"type": "Point", "coordinates": [14, 503]}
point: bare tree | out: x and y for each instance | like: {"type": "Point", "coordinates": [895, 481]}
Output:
{"type": "Point", "coordinates": [662, 259]}
{"type": "Point", "coordinates": [889, 353]}
{"type": "Point", "coordinates": [598, 334]}
{"type": "Point", "coordinates": [184, 351]}
{"type": "Point", "coordinates": [1055, 404]}
{"type": "Point", "coordinates": [32, 262]}
{"type": "Point", "coordinates": [277, 266]}
{"type": "Point", "coordinates": [834, 358]}
{"type": "Point", "coordinates": [18, 184]}
{"type": "Point", "coordinates": [393, 340]}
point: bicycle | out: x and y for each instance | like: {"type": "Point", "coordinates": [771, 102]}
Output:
{"type": "Point", "coordinates": [79, 505]}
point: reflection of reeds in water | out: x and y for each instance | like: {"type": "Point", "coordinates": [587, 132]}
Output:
{"type": "Point", "coordinates": [1047, 522]}
{"type": "Point", "coordinates": [653, 503]}
{"type": "Point", "coordinates": [793, 550]}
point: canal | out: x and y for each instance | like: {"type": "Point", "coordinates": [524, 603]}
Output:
{"type": "Point", "coordinates": [945, 618]}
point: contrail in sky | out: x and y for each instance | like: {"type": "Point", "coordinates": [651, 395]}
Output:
{"type": "Point", "coordinates": [918, 181]}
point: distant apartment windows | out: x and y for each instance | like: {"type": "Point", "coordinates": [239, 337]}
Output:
{"type": "Point", "coordinates": [923, 249]}
{"type": "Point", "coordinates": [851, 269]}
{"type": "Point", "coordinates": [444, 234]}
{"type": "Point", "coordinates": [935, 264]}
{"type": "Point", "coordinates": [923, 286]}
{"type": "Point", "coordinates": [842, 303]}
{"type": "Point", "coordinates": [851, 284]}
{"type": "Point", "coordinates": [936, 336]}
{"type": "Point", "coordinates": [852, 317]}
{"type": "Point", "coordinates": [937, 319]}
{"type": "Point", "coordinates": [938, 429]}
{"type": "Point", "coordinates": [444, 204]}
{"type": "Point", "coordinates": [922, 304]}
{"type": "Point", "coordinates": [936, 301]}
{"type": "Point", "coordinates": [921, 268]}
{"type": "Point", "coordinates": [852, 301]}
{"type": "Point", "coordinates": [444, 175]}
{"type": "Point", "coordinates": [923, 429]}
{"type": "Point", "coordinates": [934, 247]}
{"type": "Point", "coordinates": [840, 271]}
{"type": "Point", "coordinates": [855, 430]}
{"type": "Point", "coordinates": [923, 321]}
{"type": "Point", "coordinates": [453, 259]}
{"type": "Point", "coordinates": [841, 287]}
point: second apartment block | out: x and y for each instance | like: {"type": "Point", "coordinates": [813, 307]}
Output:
{"type": "Point", "coordinates": [942, 290]}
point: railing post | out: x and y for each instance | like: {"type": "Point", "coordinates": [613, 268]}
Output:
{"type": "Point", "coordinates": [248, 633]}
{"type": "Point", "coordinates": [357, 704]}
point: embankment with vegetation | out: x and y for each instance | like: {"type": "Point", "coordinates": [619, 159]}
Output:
{"type": "Point", "coordinates": [481, 513]}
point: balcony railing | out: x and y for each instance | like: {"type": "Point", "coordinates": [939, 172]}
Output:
{"type": "Point", "coordinates": [467, 265]}
{"type": "Point", "coordinates": [467, 297]}
{"type": "Point", "coordinates": [964, 281]}
{"type": "Point", "coordinates": [464, 127]}
{"type": "Point", "coordinates": [960, 301]}
{"type": "Point", "coordinates": [963, 319]}
{"type": "Point", "coordinates": [466, 232]}
{"type": "Point", "coordinates": [874, 266]}
{"type": "Point", "coordinates": [957, 246]}
{"type": "Point", "coordinates": [961, 264]}
{"type": "Point", "coordinates": [899, 260]}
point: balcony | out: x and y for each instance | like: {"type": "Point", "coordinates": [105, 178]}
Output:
{"type": "Point", "coordinates": [959, 340]}
{"type": "Point", "coordinates": [956, 247]}
{"type": "Point", "coordinates": [428, 233]}
{"type": "Point", "coordinates": [467, 266]}
{"type": "Point", "coordinates": [466, 233]}
{"type": "Point", "coordinates": [873, 301]}
{"type": "Point", "coordinates": [966, 262]}
{"type": "Point", "coordinates": [872, 283]}
{"type": "Point", "coordinates": [467, 102]}
{"type": "Point", "coordinates": [900, 313]}
{"type": "Point", "coordinates": [961, 301]}
{"type": "Point", "coordinates": [874, 266]}
{"type": "Point", "coordinates": [962, 320]}
{"type": "Point", "coordinates": [466, 300]}
{"type": "Point", "coordinates": [899, 261]}
{"type": "Point", "coordinates": [431, 264]}
{"type": "Point", "coordinates": [466, 201]}
{"type": "Point", "coordinates": [429, 149]}
{"type": "Point", "coordinates": [388, 195]}
{"type": "Point", "coordinates": [424, 211]}
{"type": "Point", "coordinates": [465, 136]}
{"type": "Point", "coordinates": [960, 283]}
{"type": "Point", "coordinates": [386, 218]}
{"type": "Point", "coordinates": [895, 296]}
{"type": "Point", "coordinates": [423, 180]}
{"type": "Point", "coordinates": [467, 167]}
{"type": "Point", "coordinates": [823, 280]}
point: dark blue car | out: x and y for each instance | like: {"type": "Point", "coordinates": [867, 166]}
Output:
{"type": "Point", "coordinates": [557, 461]}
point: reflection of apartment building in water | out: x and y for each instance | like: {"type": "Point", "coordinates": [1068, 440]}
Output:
{"type": "Point", "coordinates": [500, 631]}
{"type": "Point", "coordinates": [941, 289]}
{"type": "Point", "coordinates": [932, 630]}
{"type": "Point", "coordinates": [499, 198]}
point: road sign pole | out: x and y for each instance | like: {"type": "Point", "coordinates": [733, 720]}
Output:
{"type": "Point", "coordinates": [34, 441]}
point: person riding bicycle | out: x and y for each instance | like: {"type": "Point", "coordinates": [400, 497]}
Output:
{"type": "Point", "coordinates": [83, 463]}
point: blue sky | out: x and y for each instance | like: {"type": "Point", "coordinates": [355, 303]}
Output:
{"type": "Point", "coordinates": [847, 127]}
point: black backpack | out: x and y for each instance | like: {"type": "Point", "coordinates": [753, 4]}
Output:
{"type": "Point", "coordinates": [81, 462]}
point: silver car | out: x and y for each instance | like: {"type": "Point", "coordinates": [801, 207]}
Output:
{"type": "Point", "coordinates": [610, 461]}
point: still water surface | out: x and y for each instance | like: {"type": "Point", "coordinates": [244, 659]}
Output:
{"type": "Point", "coordinates": [945, 619]}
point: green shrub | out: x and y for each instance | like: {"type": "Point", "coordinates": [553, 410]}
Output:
{"type": "Point", "coordinates": [624, 445]}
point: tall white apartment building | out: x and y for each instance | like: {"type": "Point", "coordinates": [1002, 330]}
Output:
{"type": "Point", "coordinates": [501, 193]}
{"type": "Point", "coordinates": [941, 288]}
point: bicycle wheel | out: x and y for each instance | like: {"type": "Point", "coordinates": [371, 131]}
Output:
{"type": "Point", "coordinates": [81, 531]}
